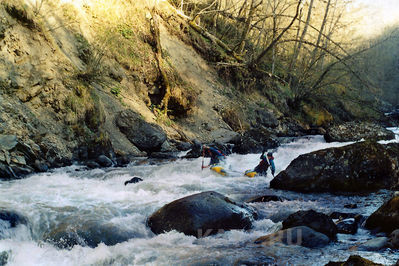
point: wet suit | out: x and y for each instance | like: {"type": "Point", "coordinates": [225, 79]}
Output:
{"type": "Point", "coordinates": [261, 168]}
{"type": "Point", "coordinates": [216, 155]}
{"type": "Point", "coordinates": [271, 161]}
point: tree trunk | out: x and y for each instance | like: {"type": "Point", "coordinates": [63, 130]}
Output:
{"type": "Point", "coordinates": [305, 29]}
{"type": "Point", "coordinates": [323, 24]}
{"type": "Point", "coordinates": [258, 59]}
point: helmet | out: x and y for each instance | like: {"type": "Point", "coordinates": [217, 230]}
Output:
{"type": "Point", "coordinates": [269, 154]}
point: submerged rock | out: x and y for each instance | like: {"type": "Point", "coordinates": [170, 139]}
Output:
{"type": "Point", "coordinates": [347, 226]}
{"type": "Point", "coordinates": [352, 261]}
{"type": "Point", "coordinates": [13, 218]}
{"type": "Point", "coordinates": [360, 167]}
{"type": "Point", "coordinates": [299, 235]}
{"type": "Point", "coordinates": [312, 219]}
{"type": "Point", "coordinates": [386, 218]}
{"type": "Point", "coordinates": [265, 198]}
{"type": "Point", "coordinates": [375, 244]}
{"type": "Point", "coordinates": [3, 258]}
{"type": "Point", "coordinates": [133, 180]}
{"type": "Point", "coordinates": [354, 131]}
{"type": "Point", "coordinates": [87, 233]}
{"type": "Point", "coordinates": [394, 239]}
{"type": "Point", "coordinates": [201, 215]}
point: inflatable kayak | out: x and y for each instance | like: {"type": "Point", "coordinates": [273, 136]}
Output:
{"type": "Point", "coordinates": [219, 169]}
{"type": "Point", "coordinates": [250, 173]}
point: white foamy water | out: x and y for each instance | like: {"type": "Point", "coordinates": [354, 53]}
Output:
{"type": "Point", "coordinates": [73, 196]}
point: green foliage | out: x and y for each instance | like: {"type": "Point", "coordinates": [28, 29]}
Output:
{"type": "Point", "coordinates": [161, 116]}
{"type": "Point", "coordinates": [116, 91]}
{"type": "Point", "coordinates": [125, 30]}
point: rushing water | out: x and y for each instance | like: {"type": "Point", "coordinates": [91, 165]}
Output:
{"type": "Point", "coordinates": [72, 196]}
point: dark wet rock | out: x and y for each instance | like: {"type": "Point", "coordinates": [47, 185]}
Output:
{"type": "Point", "coordinates": [104, 161]}
{"type": "Point", "coordinates": [353, 260]}
{"type": "Point", "coordinates": [315, 220]}
{"type": "Point", "coordinates": [92, 165]}
{"type": "Point", "coordinates": [386, 218]}
{"type": "Point", "coordinates": [354, 131]}
{"type": "Point", "coordinates": [183, 146]}
{"type": "Point", "coordinates": [163, 155]}
{"type": "Point", "coordinates": [13, 218]}
{"type": "Point", "coordinates": [133, 180]}
{"type": "Point", "coordinates": [145, 136]}
{"type": "Point", "coordinates": [201, 215]}
{"type": "Point", "coordinates": [347, 226]}
{"type": "Point", "coordinates": [255, 140]}
{"type": "Point", "coordinates": [394, 239]}
{"type": "Point", "coordinates": [265, 118]}
{"type": "Point", "coordinates": [265, 198]}
{"type": "Point", "coordinates": [290, 128]}
{"type": "Point", "coordinates": [299, 235]}
{"type": "Point", "coordinates": [40, 166]}
{"type": "Point", "coordinates": [87, 233]}
{"type": "Point", "coordinates": [3, 258]}
{"type": "Point", "coordinates": [375, 244]}
{"type": "Point", "coordinates": [195, 150]}
{"type": "Point", "coordinates": [356, 168]}
{"type": "Point", "coordinates": [316, 131]}
{"type": "Point", "coordinates": [350, 206]}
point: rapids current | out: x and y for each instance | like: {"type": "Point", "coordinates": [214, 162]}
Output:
{"type": "Point", "coordinates": [73, 195]}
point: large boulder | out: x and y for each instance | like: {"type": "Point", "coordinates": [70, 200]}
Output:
{"type": "Point", "coordinates": [386, 218]}
{"type": "Point", "coordinates": [201, 215]}
{"type": "Point", "coordinates": [312, 219]}
{"type": "Point", "coordinates": [145, 136]}
{"type": "Point", "coordinates": [255, 140]}
{"type": "Point", "coordinates": [354, 131]}
{"type": "Point", "coordinates": [360, 167]}
{"type": "Point", "coordinates": [299, 235]}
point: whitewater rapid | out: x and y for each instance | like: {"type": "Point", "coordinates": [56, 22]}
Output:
{"type": "Point", "coordinates": [73, 195]}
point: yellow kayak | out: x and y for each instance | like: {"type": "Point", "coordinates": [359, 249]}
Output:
{"type": "Point", "coordinates": [250, 173]}
{"type": "Point", "coordinates": [218, 169]}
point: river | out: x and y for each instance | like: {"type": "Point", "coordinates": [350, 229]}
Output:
{"type": "Point", "coordinates": [73, 196]}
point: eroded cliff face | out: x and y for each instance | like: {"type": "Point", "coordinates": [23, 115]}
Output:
{"type": "Point", "coordinates": [68, 69]}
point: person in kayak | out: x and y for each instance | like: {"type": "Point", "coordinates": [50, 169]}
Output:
{"type": "Point", "coordinates": [261, 168]}
{"type": "Point", "coordinates": [216, 156]}
{"type": "Point", "coordinates": [271, 162]}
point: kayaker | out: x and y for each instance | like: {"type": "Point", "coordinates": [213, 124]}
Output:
{"type": "Point", "coordinates": [271, 162]}
{"type": "Point", "coordinates": [216, 155]}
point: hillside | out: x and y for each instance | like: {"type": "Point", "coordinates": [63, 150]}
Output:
{"type": "Point", "coordinates": [70, 69]}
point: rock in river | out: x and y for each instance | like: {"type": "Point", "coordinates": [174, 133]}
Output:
{"type": "Point", "coordinates": [354, 131]}
{"type": "Point", "coordinates": [360, 167]}
{"type": "Point", "coordinates": [386, 218]}
{"type": "Point", "coordinates": [314, 220]}
{"type": "Point", "coordinates": [201, 215]}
